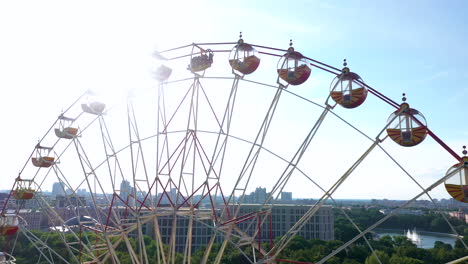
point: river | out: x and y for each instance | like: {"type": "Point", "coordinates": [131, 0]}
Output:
{"type": "Point", "coordinates": [426, 239]}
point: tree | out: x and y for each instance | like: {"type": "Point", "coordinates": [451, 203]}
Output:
{"type": "Point", "coordinates": [404, 260]}
{"type": "Point", "coordinates": [351, 261]}
{"type": "Point", "coordinates": [439, 225]}
{"type": "Point", "coordinates": [358, 252]}
{"type": "Point", "coordinates": [402, 241]}
{"type": "Point", "coordinates": [440, 244]}
{"type": "Point", "coordinates": [382, 256]}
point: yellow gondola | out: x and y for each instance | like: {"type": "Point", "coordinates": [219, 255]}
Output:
{"type": "Point", "coordinates": [407, 127]}
{"type": "Point", "coordinates": [347, 89]}
{"type": "Point", "coordinates": [408, 138]}
{"type": "Point", "coordinates": [244, 58]}
{"type": "Point", "coordinates": [292, 67]}
{"type": "Point", "coordinates": [457, 185]}
{"type": "Point", "coordinates": [246, 66]}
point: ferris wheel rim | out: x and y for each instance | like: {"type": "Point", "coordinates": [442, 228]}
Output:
{"type": "Point", "coordinates": [219, 132]}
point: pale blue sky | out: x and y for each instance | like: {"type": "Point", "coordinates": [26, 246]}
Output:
{"type": "Point", "coordinates": [52, 51]}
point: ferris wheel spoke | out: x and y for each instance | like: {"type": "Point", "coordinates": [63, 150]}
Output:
{"type": "Point", "coordinates": [111, 154]}
{"type": "Point", "coordinates": [208, 102]}
{"type": "Point", "coordinates": [392, 213]}
{"type": "Point", "coordinates": [141, 245]}
{"type": "Point", "coordinates": [313, 210]}
{"type": "Point", "coordinates": [219, 150]}
{"type": "Point", "coordinates": [191, 88]}
{"type": "Point", "coordinates": [340, 208]}
{"type": "Point", "coordinates": [133, 130]}
{"type": "Point", "coordinates": [249, 165]}
{"type": "Point", "coordinates": [292, 165]}
{"type": "Point", "coordinates": [83, 159]}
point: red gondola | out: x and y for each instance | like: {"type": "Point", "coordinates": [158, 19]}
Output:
{"type": "Point", "coordinates": [24, 189]}
{"type": "Point", "coordinates": [42, 158]}
{"type": "Point", "coordinates": [244, 59]}
{"type": "Point", "coordinates": [23, 194]}
{"type": "Point", "coordinates": [347, 89]}
{"type": "Point", "coordinates": [408, 127]}
{"type": "Point", "coordinates": [8, 224]}
{"type": "Point", "coordinates": [457, 185]}
{"type": "Point", "coordinates": [44, 162]}
{"type": "Point", "coordinates": [292, 67]}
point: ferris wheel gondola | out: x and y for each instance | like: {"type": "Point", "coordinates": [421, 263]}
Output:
{"type": "Point", "coordinates": [25, 189]}
{"type": "Point", "coordinates": [160, 71]}
{"type": "Point", "coordinates": [65, 130]}
{"type": "Point", "coordinates": [408, 127]}
{"type": "Point", "coordinates": [43, 157]}
{"type": "Point", "coordinates": [457, 185]}
{"type": "Point", "coordinates": [201, 60]}
{"type": "Point", "coordinates": [244, 59]}
{"type": "Point", "coordinates": [9, 224]}
{"type": "Point", "coordinates": [348, 89]}
{"type": "Point", "coordinates": [293, 68]}
{"type": "Point", "coordinates": [95, 108]}
{"type": "Point", "coordinates": [92, 105]}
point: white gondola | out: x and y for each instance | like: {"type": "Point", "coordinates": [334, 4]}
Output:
{"type": "Point", "coordinates": [95, 108]}
{"type": "Point", "coordinates": [160, 70]}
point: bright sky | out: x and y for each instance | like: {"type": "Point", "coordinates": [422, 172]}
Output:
{"type": "Point", "coordinates": [53, 51]}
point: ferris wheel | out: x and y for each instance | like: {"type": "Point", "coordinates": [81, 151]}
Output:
{"type": "Point", "coordinates": [169, 171]}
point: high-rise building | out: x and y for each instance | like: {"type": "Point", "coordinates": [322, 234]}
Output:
{"type": "Point", "coordinates": [127, 192]}
{"type": "Point", "coordinates": [259, 196]}
{"type": "Point", "coordinates": [286, 196]}
{"type": "Point", "coordinates": [58, 189]}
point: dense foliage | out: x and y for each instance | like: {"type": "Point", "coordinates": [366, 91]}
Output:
{"type": "Point", "coordinates": [389, 250]}
{"type": "Point", "coordinates": [364, 218]}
